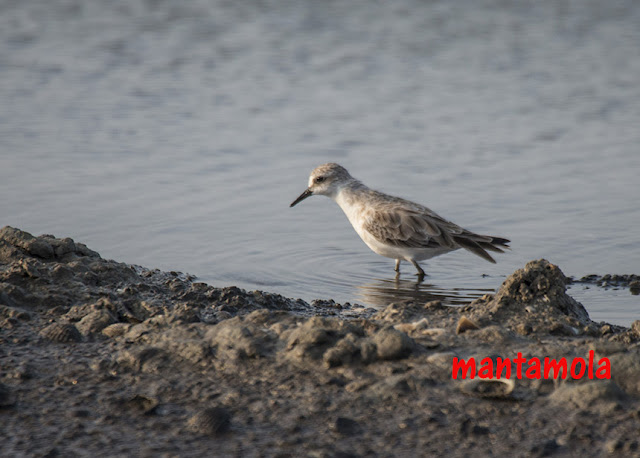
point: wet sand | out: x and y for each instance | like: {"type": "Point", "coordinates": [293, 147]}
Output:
{"type": "Point", "coordinates": [99, 357]}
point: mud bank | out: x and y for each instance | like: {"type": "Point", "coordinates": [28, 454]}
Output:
{"type": "Point", "coordinates": [609, 281]}
{"type": "Point", "coordinates": [99, 357]}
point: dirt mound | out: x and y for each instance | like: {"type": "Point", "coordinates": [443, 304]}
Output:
{"type": "Point", "coordinates": [109, 358]}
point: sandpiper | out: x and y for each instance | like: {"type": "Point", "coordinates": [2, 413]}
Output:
{"type": "Point", "coordinates": [395, 227]}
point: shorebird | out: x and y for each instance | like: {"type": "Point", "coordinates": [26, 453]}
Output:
{"type": "Point", "coordinates": [394, 227]}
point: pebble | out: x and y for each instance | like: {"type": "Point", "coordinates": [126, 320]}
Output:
{"type": "Point", "coordinates": [392, 344]}
{"type": "Point", "coordinates": [345, 426]}
{"type": "Point", "coordinates": [210, 421]}
{"type": "Point", "coordinates": [465, 324]}
{"type": "Point", "coordinates": [61, 332]}
{"type": "Point", "coordinates": [497, 388]}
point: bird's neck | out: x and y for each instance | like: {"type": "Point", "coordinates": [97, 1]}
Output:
{"type": "Point", "coordinates": [347, 195]}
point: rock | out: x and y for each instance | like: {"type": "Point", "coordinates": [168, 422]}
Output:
{"type": "Point", "coordinates": [392, 344]}
{"type": "Point", "coordinates": [94, 322]}
{"type": "Point", "coordinates": [465, 324]}
{"type": "Point", "coordinates": [585, 395]}
{"type": "Point", "coordinates": [14, 312]}
{"type": "Point", "coordinates": [61, 332]}
{"type": "Point", "coordinates": [14, 241]}
{"type": "Point", "coordinates": [210, 421]}
{"type": "Point", "coordinates": [625, 370]}
{"type": "Point", "coordinates": [345, 426]}
{"type": "Point", "coordinates": [469, 427]}
{"type": "Point", "coordinates": [614, 281]}
{"type": "Point", "coordinates": [346, 351]}
{"type": "Point", "coordinates": [533, 300]}
{"type": "Point", "coordinates": [407, 311]}
{"type": "Point", "coordinates": [235, 300]}
{"type": "Point", "coordinates": [25, 241]}
{"type": "Point", "coordinates": [116, 329]}
{"type": "Point", "coordinates": [417, 327]}
{"type": "Point", "coordinates": [39, 248]}
{"type": "Point", "coordinates": [234, 339]}
{"type": "Point", "coordinates": [315, 336]}
{"type": "Point", "coordinates": [301, 379]}
{"type": "Point", "coordinates": [144, 359]}
{"type": "Point", "coordinates": [339, 343]}
{"type": "Point", "coordinates": [394, 386]}
{"type": "Point", "coordinates": [82, 250]}
{"type": "Point", "coordinates": [141, 404]}
{"type": "Point", "coordinates": [496, 388]}
{"type": "Point", "coordinates": [539, 283]}
{"type": "Point", "coordinates": [494, 335]}
{"type": "Point", "coordinates": [185, 343]}
{"type": "Point", "coordinates": [614, 446]}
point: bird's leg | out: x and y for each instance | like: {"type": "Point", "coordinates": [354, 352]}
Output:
{"type": "Point", "coordinates": [420, 273]}
{"type": "Point", "coordinates": [398, 265]}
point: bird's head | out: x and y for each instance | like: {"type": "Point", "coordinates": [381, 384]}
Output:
{"type": "Point", "coordinates": [325, 180]}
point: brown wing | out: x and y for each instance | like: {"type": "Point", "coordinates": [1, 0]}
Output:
{"type": "Point", "coordinates": [405, 224]}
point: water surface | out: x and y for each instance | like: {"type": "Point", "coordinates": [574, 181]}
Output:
{"type": "Point", "coordinates": [175, 134]}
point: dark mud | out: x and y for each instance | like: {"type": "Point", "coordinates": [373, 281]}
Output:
{"type": "Point", "coordinates": [103, 358]}
{"type": "Point", "coordinates": [609, 281]}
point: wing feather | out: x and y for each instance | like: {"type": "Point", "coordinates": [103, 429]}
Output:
{"type": "Point", "coordinates": [403, 223]}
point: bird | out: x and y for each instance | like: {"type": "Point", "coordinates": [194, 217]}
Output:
{"type": "Point", "coordinates": [395, 227]}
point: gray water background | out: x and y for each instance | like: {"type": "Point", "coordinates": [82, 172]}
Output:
{"type": "Point", "coordinates": [174, 134]}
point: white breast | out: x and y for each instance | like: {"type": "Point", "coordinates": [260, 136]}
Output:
{"type": "Point", "coordinates": [356, 211]}
{"type": "Point", "coordinates": [357, 214]}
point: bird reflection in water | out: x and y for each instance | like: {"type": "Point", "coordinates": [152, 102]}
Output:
{"type": "Point", "coordinates": [383, 291]}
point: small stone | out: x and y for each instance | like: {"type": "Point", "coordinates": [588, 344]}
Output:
{"type": "Point", "coordinates": [524, 329]}
{"type": "Point", "coordinates": [94, 322]}
{"type": "Point", "coordinates": [61, 332]}
{"type": "Point", "coordinates": [343, 353]}
{"type": "Point", "coordinates": [469, 427]}
{"type": "Point", "coordinates": [40, 248]}
{"type": "Point", "coordinates": [142, 404]}
{"type": "Point", "coordinates": [634, 287]}
{"type": "Point", "coordinates": [116, 329]}
{"type": "Point", "coordinates": [64, 246]}
{"type": "Point", "coordinates": [345, 426]}
{"type": "Point", "coordinates": [614, 445]}
{"type": "Point", "coordinates": [235, 339]}
{"type": "Point", "coordinates": [82, 250]}
{"type": "Point", "coordinates": [479, 430]}
{"type": "Point", "coordinates": [210, 421]}
{"type": "Point", "coordinates": [465, 324]}
{"type": "Point", "coordinates": [392, 344]}
{"type": "Point", "coordinates": [497, 388]}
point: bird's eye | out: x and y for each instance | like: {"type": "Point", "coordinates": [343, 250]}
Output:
{"type": "Point", "coordinates": [319, 179]}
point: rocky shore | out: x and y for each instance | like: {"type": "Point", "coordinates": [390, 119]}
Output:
{"type": "Point", "coordinates": [102, 358]}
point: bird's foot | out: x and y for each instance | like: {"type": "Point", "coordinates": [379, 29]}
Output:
{"type": "Point", "coordinates": [419, 269]}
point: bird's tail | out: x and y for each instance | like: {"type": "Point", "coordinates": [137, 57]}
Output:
{"type": "Point", "coordinates": [480, 244]}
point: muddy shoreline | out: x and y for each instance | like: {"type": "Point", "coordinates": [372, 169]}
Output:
{"type": "Point", "coordinates": [103, 358]}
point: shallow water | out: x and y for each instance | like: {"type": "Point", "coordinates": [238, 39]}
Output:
{"type": "Point", "coordinates": [175, 134]}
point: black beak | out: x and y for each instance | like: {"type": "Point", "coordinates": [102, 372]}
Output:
{"type": "Point", "coordinates": [302, 197]}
